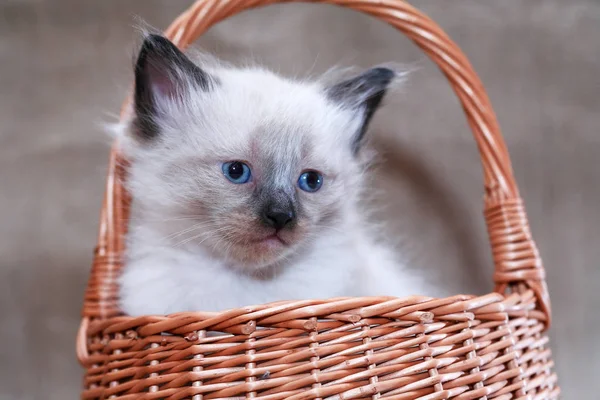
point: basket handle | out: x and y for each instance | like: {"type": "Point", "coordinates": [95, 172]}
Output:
{"type": "Point", "coordinates": [517, 262]}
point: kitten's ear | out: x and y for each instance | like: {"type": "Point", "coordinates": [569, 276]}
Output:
{"type": "Point", "coordinates": [363, 94]}
{"type": "Point", "coordinates": [162, 73]}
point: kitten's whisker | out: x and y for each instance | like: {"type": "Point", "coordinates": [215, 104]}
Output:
{"type": "Point", "coordinates": [191, 238]}
{"type": "Point", "coordinates": [188, 218]}
{"type": "Point", "coordinates": [325, 228]}
{"type": "Point", "coordinates": [184, 231]}
{"type": "Point", "coordinates": [199, 225]}
{"type": "Point", "coordinates": [209, 234]}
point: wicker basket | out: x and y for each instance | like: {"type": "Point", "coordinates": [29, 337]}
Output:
{"type": "Point", "coordinates": [461, 347]}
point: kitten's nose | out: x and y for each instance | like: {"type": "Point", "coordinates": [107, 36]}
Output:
{"type": "Point", "coordinates": [278, 218]}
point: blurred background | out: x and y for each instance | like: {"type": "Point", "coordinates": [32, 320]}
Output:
{"type": "Point", "coordinates": [65, 66]}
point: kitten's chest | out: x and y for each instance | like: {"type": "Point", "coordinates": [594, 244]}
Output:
{"type": "Point", "coordinates": [316, 277]}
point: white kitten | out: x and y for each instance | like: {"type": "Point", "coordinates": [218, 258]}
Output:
{"type": "Point", "coordinates": [246, 188]}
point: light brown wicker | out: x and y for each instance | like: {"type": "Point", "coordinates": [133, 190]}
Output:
{"type": "Point", "coordinates": [461, 347]}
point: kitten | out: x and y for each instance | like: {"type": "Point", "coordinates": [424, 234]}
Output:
{"type": "Point", "coordinates": [246, 188]}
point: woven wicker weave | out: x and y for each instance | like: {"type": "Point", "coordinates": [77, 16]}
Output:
{"type": "Point", "coordinates": [461, 347]}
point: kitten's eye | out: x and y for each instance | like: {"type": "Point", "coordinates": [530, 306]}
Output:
{"type": "Point", "coordinates": [236, 171]}
{"type": "Point", "coordinates": [310, 181]}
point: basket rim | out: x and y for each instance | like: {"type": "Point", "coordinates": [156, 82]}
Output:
{"type": "Point", "coordinates": [312, 315]}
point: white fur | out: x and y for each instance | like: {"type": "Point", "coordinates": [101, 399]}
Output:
{"type": "Point", "coordinates": [172, 266]}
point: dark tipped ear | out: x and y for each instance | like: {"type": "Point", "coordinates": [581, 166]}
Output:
{"type": "Point", "coordinates": [362, 93]}
{"type": "Point", "coordinates": [162, 72]}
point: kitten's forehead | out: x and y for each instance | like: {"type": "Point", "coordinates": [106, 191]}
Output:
{"type": "Point", "coordinates": [281, 140]}
{"type": "Point", "coordinates": [280, 119]}
{"type": "Point", "coordinates": [271, 98]}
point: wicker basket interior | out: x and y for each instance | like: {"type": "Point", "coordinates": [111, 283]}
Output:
{"type": "Point", "coordinates": [461, 347]}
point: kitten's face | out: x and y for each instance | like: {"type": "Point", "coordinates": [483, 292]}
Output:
{"type": "Point", "coordinates": [242, 163]}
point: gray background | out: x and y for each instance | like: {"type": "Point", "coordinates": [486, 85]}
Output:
{"type": "Point", "coordinates": [64, 69]}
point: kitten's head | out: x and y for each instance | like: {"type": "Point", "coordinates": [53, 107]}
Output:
{"type": "Point", "coordinates": [245, 164]}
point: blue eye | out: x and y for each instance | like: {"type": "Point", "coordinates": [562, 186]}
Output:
{"type": "Point", "coordinates": [310, 181]}
{"type": "Point", "coordinates": [236, 171]}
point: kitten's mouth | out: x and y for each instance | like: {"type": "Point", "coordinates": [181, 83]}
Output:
{"type": "Point", "coordinates": [271, 240]}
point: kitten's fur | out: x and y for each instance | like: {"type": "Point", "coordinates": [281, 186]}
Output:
{"type": "Point", "coordinates": [195, 238]}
